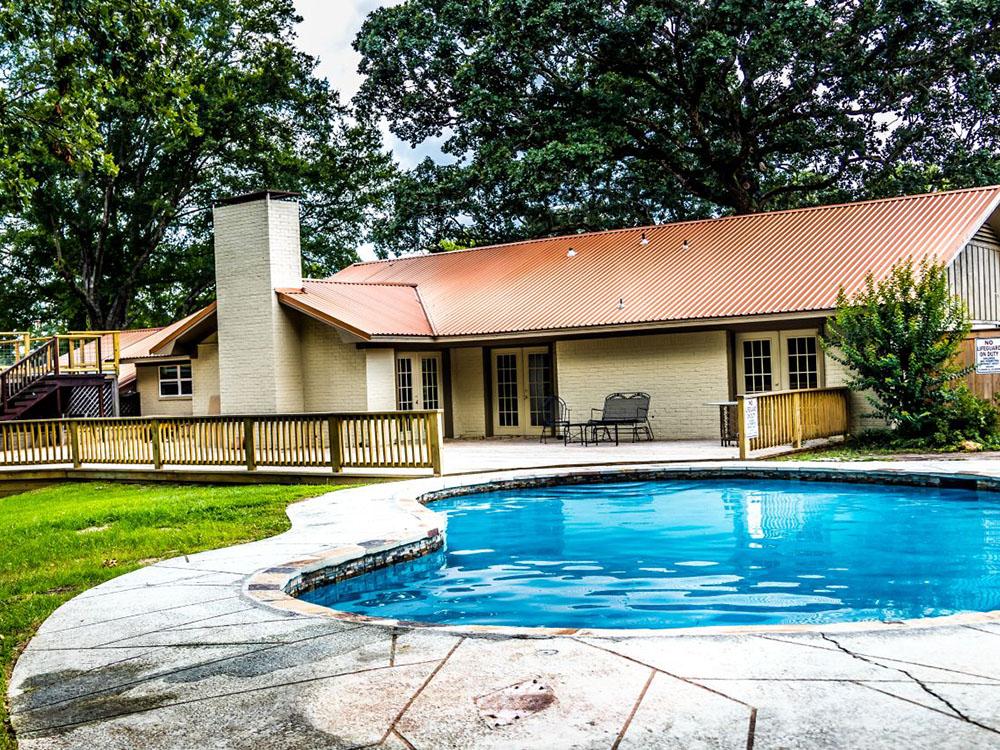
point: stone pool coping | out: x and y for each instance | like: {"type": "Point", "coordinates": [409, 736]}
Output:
{"type": "Point", "coordinates": [279, 586]}
{"type": "Point", "coordinates": [208, 650]}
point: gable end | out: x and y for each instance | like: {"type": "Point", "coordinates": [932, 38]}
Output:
{"type": "Point", "coordinates": [974, 276]}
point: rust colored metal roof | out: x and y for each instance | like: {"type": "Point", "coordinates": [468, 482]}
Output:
{"type": "Point", "coordinates": [154, 342]}
{"type": "Point", "coordinates": [364, 309]}
{"type": "Point", "coordinates": [769, 263]}
{"type": "Point", "coordinates": [131, 340]}
{"type": "Point", "coordinates": [168, 337]}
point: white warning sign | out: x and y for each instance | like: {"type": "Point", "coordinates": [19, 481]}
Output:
{"type": "Point", "coordinates": [751, 422]}
{"type": "Point", "coordinates": [988, 356]}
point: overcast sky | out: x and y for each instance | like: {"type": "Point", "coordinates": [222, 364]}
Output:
{"type": "Point", "coordinates": [328, 27]}
{"type": "Point", "coordinates": [326, 32]}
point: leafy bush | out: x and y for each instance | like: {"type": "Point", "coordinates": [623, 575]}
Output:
{"type": "Point", "coordinates": [900, 338]}
{"type": "Point", "coordinates": [965, 417]}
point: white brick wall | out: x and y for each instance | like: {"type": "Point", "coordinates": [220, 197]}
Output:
{"type": "Point", "coordinates": [148, 383]}
{"type": "Point", "coordinates": [334, 373]}
{"type": "Point", "coordinates": [680, 371]}
{"type": "Point", "coordinates": [467, 394]}
{"type": "Point", "coordinates": [838, 375]}
{"type": "Point", "coordinates": [256, 250]}
{"type": "Point", "coordinates": [380, 376]}
{"type": "Point", "coordinates": [205, 378]}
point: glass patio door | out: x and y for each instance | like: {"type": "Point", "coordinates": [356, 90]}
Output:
{"type": "Point", "coordinates": [418, 380]}
{"type": "Point", "coordinates": [522, 380]}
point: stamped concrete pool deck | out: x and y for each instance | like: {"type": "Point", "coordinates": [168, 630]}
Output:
{"type": "Point", "coordinates": [206, 651]}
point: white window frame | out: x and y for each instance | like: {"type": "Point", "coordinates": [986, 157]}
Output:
{"type": "Point", "coordinates": [786, 375]}
{"type": "Point", "coordinates": [417, 384]}
{"type": "Point", "coordinates": [178, 379]}
{"type": "Point", "coordinates": [775, 340]}
{"type": "Point", "coordinates": [780, 379]}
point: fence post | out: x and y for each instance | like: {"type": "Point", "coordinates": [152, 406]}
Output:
{"type": "Point", "coordinates": [74, 442]}
{"type": "Point", "coordinates": [157, 457]}
{"type": "Point", "coordinates": [434, 435]}
{"type": "Point", "coordinates": [248, 446]}
{"type": "Point", "coordinates": [796, 420]}
{"type": "Point", "coordinates": [741, 427]}
{"type": "Point", "coordinates": [336, 453]}
{"type": "Point", "coordinates": [845, 395]}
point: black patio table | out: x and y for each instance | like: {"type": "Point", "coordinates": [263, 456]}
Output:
{"type": "Point", "coordinates": [597, 426]}
{"type": "Point", "coordinates": [589, 432]}
{"type": "Point", "coordinates": [577, 428]}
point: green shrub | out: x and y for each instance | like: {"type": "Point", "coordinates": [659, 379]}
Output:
{"type": "Point", "coordinates": [965, 416]}
{"type": "Point", "coordinates": [900, 338]}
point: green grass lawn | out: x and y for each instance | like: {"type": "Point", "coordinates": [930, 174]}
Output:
{"type": "Point", "coordinates": [852, 452]}
{"type": "Point", "coordinates": [841, 452]}
{"type": "Point", "coordinates": [58, 541]}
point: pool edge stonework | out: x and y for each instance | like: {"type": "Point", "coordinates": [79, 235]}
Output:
{"type": "Point", "coordinates": [281, 586]}
{"type": "Point", "coordinates": [209, 650]}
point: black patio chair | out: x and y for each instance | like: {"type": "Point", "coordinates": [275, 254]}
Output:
{"type": "Point", "coordinates": [555, 418]}
{"type": "Point", "coordinates": [628, 410]}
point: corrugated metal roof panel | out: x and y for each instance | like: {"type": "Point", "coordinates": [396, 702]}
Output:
{"type": "Point", "coordinates": [779, 262]}
{"type": "Point", "coordinates": [376, 309]}
{"type": "Point", "coordinates": [154, 345]}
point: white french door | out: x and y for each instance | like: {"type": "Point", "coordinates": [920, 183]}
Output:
{"type": "Point", "coordinates": [418, 380]}
{"type": "Point", "coordinates": [522, 380]}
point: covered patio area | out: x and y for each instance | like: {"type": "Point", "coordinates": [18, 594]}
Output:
{"type": "Point", "coordinates": [457, 457]}
{"type": "Point", "coordinates": [495, 454]}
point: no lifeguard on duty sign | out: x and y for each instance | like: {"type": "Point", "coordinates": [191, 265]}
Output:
{"type": "Point", "coordinates": [988, 356]}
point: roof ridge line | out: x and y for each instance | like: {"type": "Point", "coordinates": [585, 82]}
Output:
{"type": "Point", "coordinates": [423, 307]}
{"type": "Point", "coordinates": [332, 280]}
{"type": "Point", "coordinates": [731, 217]}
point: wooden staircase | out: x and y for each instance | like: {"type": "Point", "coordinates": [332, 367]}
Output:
{"type": "Point", "coordinates": [36, 383]}
{"type": "Point", "coordinates": [21, 406]}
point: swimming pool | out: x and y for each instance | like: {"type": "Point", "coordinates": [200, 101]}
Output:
{"type": "Point", "coordinates": [677, 553]}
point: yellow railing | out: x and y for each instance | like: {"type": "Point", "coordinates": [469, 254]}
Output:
{"type": "Point", "coordinates": [768, 420]}
{"type": "Point", "coordinates": [14, 346]}
{"type": "Point", "coordinates": [80, 352]}
{"type": "Point", "coordinates": [362, 440]}
{"type": "Point", "coordinates": [89, 352]}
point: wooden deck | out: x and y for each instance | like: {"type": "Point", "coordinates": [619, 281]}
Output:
{"type": "Point", "coordinates": [458, 457]}
{"type": "Point", "coordinates": [469, 456]}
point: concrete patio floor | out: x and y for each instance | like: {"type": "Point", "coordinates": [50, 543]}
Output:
{"type": "Point", "coordinates": [183, 654]}
{"type": "Point", "coordinates": [457, 457]}
{"type": "Point", "coordinates": [500, 454]}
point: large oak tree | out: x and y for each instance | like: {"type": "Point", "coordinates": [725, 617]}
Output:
{"type": "Point", "coordinates": [120, 123]}
{"type": "Point", "coordinates": [560, 115]}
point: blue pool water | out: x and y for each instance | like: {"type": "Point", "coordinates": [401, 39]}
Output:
{"type": "Point", "coordinates": [681, 553]}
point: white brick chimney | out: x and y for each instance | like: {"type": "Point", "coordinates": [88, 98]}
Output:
{"type": "Point", "coordinates": [256, 251]}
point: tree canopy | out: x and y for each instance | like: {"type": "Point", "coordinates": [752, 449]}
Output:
{"type": "Point", "coordinates": [121, 122]}
{"type": "Point", "coordinates": [564, 115]}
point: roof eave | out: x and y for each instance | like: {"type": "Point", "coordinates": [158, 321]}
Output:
{"type": "Point", "coordinates": [985, 217]}
{"type": "Point", "coordinates": [608, 328]}
{"type": "Point", "coordinates": [190, 324]}
{"type": "Point", "coordinates": [291, 299]}
{"type": "Point", "coordinates": [154, 359]}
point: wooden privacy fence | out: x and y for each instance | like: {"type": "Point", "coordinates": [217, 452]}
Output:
{"type": "Point", "coordinates": [768, 420]}
{"type": "Point", "coordinates": [363, 440]}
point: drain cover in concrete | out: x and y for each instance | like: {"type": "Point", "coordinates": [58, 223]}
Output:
{"type": "Point", "coordinates": [507, 705]}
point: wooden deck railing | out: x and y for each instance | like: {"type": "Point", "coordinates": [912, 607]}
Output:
{"type": "Point", "coordinates": [81, 352]}
{"type": "Point", "coordinates": [14, 345]}
{"type": "Point", "coordinates": [87, 352]}
{"type": "Point", "coordinates": [361, 440]}
{"type": "Point", "coordinates": [767, 420]}
{"type": "Point", "coordinates": [17, 378]}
